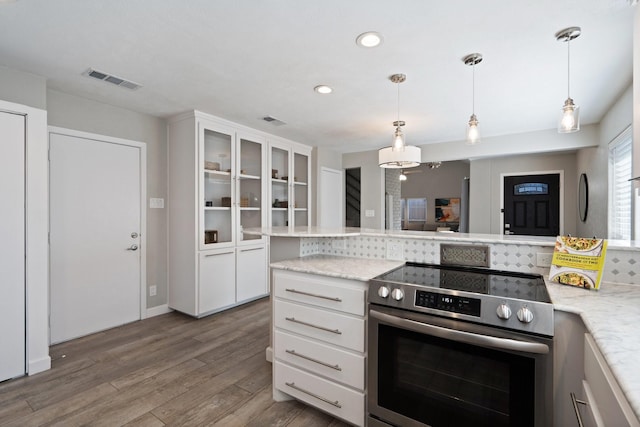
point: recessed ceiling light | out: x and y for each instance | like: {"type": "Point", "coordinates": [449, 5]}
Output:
{"type": "Point", "coordinates": [323, 89]}
{"type": "Point", "coordinates": [369, 39]}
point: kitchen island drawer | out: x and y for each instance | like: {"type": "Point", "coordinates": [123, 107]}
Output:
{"type": "Point", "coordinates": [333, 363]}
{"type": "Point", "coordinates": [336, 294]}
{"type": "Point", "coordinates": [330, 397]}
{"type": "Point", "coordinates": [331, 327]}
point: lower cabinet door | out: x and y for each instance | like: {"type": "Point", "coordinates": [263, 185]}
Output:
{"type": "Point", "coordinates": [217, 280]}
{"type": "Point", "coordinates": [252, 272]}
{"type": "Point", "coordinates": [325, 395]}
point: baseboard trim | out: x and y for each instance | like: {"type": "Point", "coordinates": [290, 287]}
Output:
{"type": "Point", "coordinates": [158, 310]}
{"type": "Point", "coordinates": [40, 365]}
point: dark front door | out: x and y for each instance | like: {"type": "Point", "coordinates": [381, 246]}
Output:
{"type": "Point", "coordinates": [532, 205]}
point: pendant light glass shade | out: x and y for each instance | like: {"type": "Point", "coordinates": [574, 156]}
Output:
{"type": "Point", "coordinates": [473, 133]}
{"type": "Point", "coordinates": [569, 120]}
{"type": "Point", "coordinates": [399, 155]}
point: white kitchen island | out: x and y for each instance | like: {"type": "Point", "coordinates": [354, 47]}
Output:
{"type": "Point", "coordinates": [610, 315]}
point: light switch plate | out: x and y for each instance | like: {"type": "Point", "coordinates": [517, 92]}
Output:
{"type": "Point", "coordinates": [369, 213]}
{"type": "Point", "coordinates": [155, 203]}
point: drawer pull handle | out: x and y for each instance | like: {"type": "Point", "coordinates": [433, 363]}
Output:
{"type": "Point", "coordinates": [311, 359]}
{"type": "Point", "coordinates": [309, 294]}
{"type": "Point", "coordinates": [333, 331]}
{"type": "Point", "coordinates": [575, 403]}
{"type": "Point", "coordinates": [295, 387]}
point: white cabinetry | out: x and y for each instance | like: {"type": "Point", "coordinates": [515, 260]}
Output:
{"type": "Point", "coordinates": [604, 402]}
{"type": "Point", "coordinates": [290, 191]}
{"type": "Point", "coordinates": [12, 251]}
{"type": "Point", "coordinates": [319, 343]}
{"type": "Point", "coordinates": [216, 188]}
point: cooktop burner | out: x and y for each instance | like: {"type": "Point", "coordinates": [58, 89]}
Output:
{"type": "Point", "coordinates": [505, 299]}
{"type": "Point", "coordinates": [498, 283]}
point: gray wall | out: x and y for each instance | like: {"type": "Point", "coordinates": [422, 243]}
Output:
{"type": "Point", "coordinates": [443, 182]}
{"type": "Point", "coordinates": [371, 186]}
{"type": "Point", "coordinates": [23, 88]}
{"type": "Point", "coordinates": [82, 114]}
{"type": "Point", "coordinates": [595, 163]}
{"type": "Point", "coordinates": [485, 193]}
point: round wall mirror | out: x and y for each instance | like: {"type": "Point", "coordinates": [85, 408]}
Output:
{"type": "Point", "coordinates": [583, 197]}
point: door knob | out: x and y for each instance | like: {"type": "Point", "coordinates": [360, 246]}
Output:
{"type": "Point", "coordinates": [132, 248]}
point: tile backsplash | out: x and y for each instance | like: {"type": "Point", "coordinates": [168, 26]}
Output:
{"type": "Point", "coordinates": [621, 266]}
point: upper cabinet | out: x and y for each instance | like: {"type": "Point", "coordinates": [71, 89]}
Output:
{"type": "Point", "coordinates": [289, 192]}
{"type": "Point", "coordinates": [232, 186]}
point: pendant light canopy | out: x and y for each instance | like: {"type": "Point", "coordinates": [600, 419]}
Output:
{"type": "Point", "coordinates": [570, 117]}
{"type": "Point", "coordinates": [473, 134]}
{"type": "Point", "coordinates": [399, 155]}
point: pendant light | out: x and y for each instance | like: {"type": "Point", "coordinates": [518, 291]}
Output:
{"type": "Point", "coordinates": [570, 118]}
{"type": "Point", "coordinates": [473, 134]}
{"type": "Point", "coordinates": [399, 155]}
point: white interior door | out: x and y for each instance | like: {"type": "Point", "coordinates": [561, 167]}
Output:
{"type": "Point", "coordinates": [95, 225]}
{"type": "Point", "coordinates": [331, 198]}
{"type": "Point", "coordinates": [12, 247]}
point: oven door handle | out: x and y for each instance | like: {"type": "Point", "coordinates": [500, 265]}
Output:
{"type": "Point", "coordinates": [461, 336]}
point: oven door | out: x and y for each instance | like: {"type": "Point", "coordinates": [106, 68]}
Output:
{"type": "Point", "coordinates": [429, 371]}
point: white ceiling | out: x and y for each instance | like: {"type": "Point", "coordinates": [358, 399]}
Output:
{"type": "Point", "coordinates": [245, 59]}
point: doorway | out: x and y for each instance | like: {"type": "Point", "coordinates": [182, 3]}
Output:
{"type": "Point", "coordinates": [352, 197]}
{"type": "Point", "coordinates": [531, 204]}
{"type": "Point", "coordinates": [330, 198]}
{"type": "Point", "coordinates": [97, 225]}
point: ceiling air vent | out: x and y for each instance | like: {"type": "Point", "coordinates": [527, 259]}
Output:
{"type": "Point", "coordinates": [111, 79]}
{"type": "Point", "coordinates": [273, 121]}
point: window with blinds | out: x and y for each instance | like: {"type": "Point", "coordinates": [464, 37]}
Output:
{"type": "Point", "coordinates": [414, 209]}
{"type": "Point", "coordinates": [620, 188]}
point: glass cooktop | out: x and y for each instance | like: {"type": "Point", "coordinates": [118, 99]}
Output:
{"type": "Point", "coordinates": [497, 283]}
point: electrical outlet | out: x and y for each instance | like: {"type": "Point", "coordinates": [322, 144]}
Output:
{"type": "Point", "coordinates": [153, 290]}
{"type": "Point", "coordinates": [339, 244]}
{"type": "Point", "coordinates": [543, 259]}
{"type": "Point", "coordinates": [395, 251]}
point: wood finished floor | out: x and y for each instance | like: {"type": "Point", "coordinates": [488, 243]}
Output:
{"type": "Point", "coordinates": [167, 370]}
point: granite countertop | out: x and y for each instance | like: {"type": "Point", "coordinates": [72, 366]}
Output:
{"type": "Point", "coordinates": [361, 269]}
{"type": "Point", "coordinates": [611, 315]}
{"type": "Point", "coordinates": [337, 232]}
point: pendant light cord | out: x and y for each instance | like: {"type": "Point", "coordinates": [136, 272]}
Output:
{"type": "Point", "coordinates": [473, 87]}
{"type": "Point", "coordinates": [398, 84]}
{"type": "Point", "coordinates": [568, 67]}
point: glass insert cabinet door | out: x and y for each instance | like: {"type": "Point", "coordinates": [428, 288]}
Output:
{"type": "Point", "coordinates": [279, 187]}
{"type": "Point", "coordinates": [217, 193]}
{"type": "Point", "coordinates": [301, 189]}
{"type": "Point", "coordinates": [289, 187]}
{"type": "Point", "coordinates": [250, 155]}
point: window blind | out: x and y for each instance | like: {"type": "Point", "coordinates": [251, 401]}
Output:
{"type": "Point", "coordinates": [620, 188]}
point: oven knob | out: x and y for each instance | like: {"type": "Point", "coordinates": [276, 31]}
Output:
{"type": "Point", "coordinates": [397, 294]}
{"type": "Point", "coordinates": [525, 315]}
{"type": "Point", "coordinates": [383, 292]}
{"type": "Point", "coordinates": [503, 311]}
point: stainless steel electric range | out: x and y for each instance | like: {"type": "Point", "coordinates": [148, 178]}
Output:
{"type": "Point", "coordinates": [453, 346]}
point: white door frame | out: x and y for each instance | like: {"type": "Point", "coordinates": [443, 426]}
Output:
{"type": "Point", "coordinates": [549, 172]}
{"type": "Point", "coordinates": [143, 199]}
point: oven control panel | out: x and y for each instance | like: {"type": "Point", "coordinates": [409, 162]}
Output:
{"type": "Point", "coordinates": [452, 303]}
